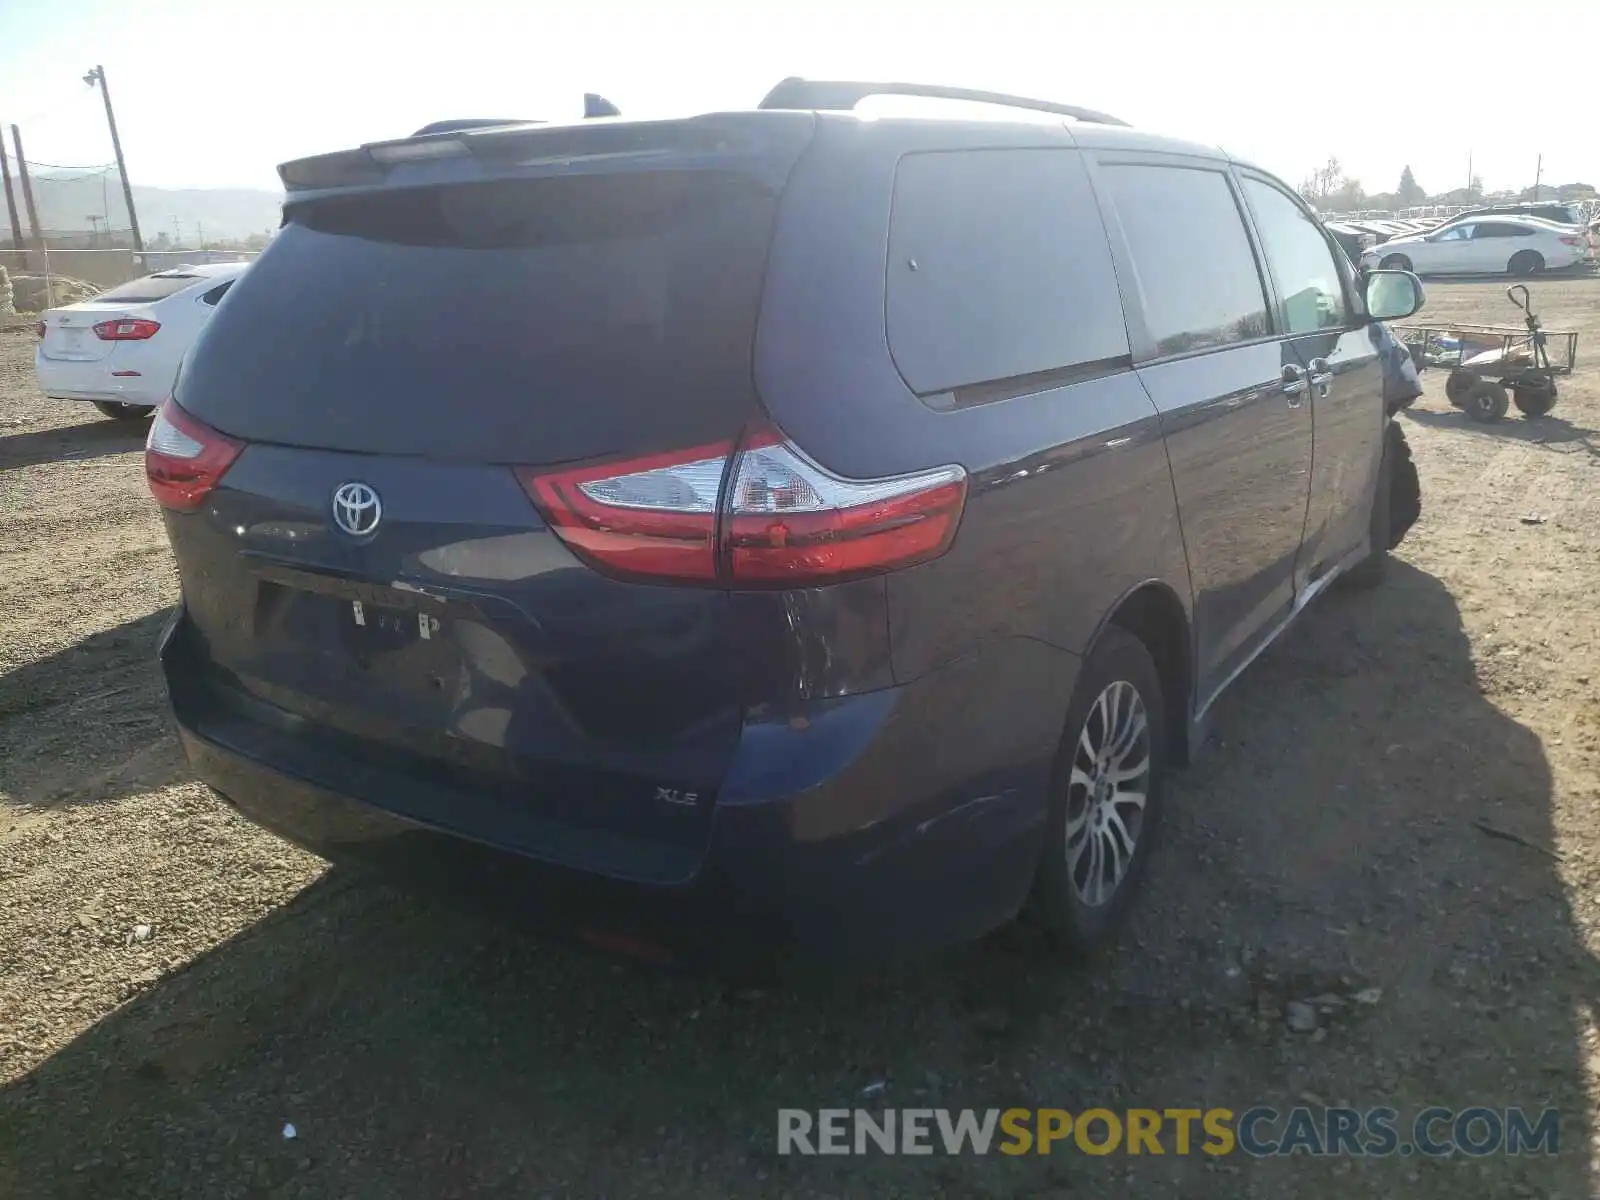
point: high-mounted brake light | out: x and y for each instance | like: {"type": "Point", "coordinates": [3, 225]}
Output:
{"type": "Point", "coordinates": [126, 329]}
{"type": "Point", "coordinates": [184, 459]}
{"type": "Point", "coordinates": [759, 514]}
{"type": "Point", "coordinates": [408, 151]}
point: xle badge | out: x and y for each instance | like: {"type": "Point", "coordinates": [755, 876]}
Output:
{"type": "Point", "coordinates": [674, 796]}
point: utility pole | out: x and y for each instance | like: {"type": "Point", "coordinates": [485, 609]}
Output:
{"type": "Point", "coordinates": [27, 190]}
{"type": "Point", "coordinates": [11, 200]}
{"type": "Point", "coordinates": [1469, 176]}
{"type": "Point", "coordinates": [98, 75]}
{"type": "Point", "coordinates": [1538, 174]}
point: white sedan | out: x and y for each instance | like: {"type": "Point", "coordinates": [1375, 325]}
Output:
{"type": "Point", "coordinates": [120, 350]}
{"type": "Point", "coordinates": [1484, 245]}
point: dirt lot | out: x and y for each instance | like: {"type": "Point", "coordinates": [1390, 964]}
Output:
{"type": "Point", "coordinates": [175, 985]}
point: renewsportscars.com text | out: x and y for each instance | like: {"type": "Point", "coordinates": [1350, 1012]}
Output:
{"type": "Point", "coordinates": [1259, 1132]}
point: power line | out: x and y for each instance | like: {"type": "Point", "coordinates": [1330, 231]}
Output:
{"type": "Point", "coordinates": [101, 174]}
{"type": "Point", "coordinates": [33, 162]}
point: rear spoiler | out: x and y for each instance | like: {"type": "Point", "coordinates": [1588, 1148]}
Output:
{"type": "Point", "coordinates": [594, 105]}
{"type": "Point", "coordinates": [369, 163]}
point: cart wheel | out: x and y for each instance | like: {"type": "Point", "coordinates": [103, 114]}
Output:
{"type": "Point", "coordinates": [1534, 399]}
{"type": "Point", "coordinates": [1487, 401]}
{"type": "Point", "coordinates": [1456, 386]}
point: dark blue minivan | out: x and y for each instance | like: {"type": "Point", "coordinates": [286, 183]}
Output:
{"type": "Point", "coordinates": [771, 528]}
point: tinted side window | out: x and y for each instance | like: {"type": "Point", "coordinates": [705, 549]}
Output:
{"type": "Point", "coordinates": [1498, 229]}
{"type": "Point", "coordinates": [1308, 281]}
{"type": "Point", "coordinates": [217, 293]}
{"type": "Point", "coordinates": [1193, 268]}
{"type": "Point", "coordinates": [998, 268]}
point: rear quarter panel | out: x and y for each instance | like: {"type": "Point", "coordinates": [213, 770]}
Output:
{"type": "Point", "coordinates": [1070, 502]}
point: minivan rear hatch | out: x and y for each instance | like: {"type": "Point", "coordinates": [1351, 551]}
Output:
{"type": "Point", "coordinates": [422, 340]}
{"type": "Point", "coordinates": [523, 312]}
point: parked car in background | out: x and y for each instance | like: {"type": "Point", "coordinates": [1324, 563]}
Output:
{"type": "Point", "coordinates": [1560, 214]}
{"type": "Point", "coordinates": [120, 350]}
{"type": "Point", "coordinates": [1353, 241]}
{"type": "Point", "coordinates": [764, 527]}
{"type": "Point", "coordinates": [1479, 246]}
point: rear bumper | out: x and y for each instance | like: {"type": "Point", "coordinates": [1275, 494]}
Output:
{"type": "Point", "coordinates": [62, 379]}
{"type": "Point", "coordinates": [877, 825]}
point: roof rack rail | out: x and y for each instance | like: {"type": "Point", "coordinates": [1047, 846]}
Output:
{"type": "Point", "coordinates": [841, 95]}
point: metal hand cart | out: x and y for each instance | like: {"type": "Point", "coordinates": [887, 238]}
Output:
{"type": "Point", "coordinates": [1486, 360]}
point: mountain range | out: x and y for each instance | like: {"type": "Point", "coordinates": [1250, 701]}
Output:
{"type": "Point", "coordinates": [66, 202]}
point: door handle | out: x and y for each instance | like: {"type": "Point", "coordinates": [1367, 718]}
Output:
{"type": "Point", "coordinates": [1321, 377]}
{"type": "Point", "coordinates": [1294, 383]}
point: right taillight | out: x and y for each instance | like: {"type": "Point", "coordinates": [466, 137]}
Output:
{"type": "Point", "coordinates": [184, 458]}
{"type": "Point", "coordinates": [756, 514]}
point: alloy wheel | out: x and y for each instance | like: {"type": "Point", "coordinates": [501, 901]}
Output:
{"type": "Point", "coordinates": [1106, 792]}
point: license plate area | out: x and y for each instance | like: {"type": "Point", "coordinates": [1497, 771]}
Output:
{"type": "Point", "coordinates": [345, 631]}
{"type": "Point", "coordinates": [370, 628]}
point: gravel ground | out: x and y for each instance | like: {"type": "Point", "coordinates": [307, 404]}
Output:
{"type": "Point", "coordinates": [176, 985]}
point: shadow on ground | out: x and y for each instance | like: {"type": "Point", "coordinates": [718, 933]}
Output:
{"type": "Point", "coordinates": [1327, 844]}
{"type": "Point", "coordinates": [88, 724]}
{"type": "Point", "coordinates": [1549, 430]}
{"type": "Point", "coordinates": [90, 439]}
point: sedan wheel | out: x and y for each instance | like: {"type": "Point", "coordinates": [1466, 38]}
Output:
{"type": "Point", "coordinates": [1524, 263]}
{"type": "Point", "coordinates": [1106, 795]}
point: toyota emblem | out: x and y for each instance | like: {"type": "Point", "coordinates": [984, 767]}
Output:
{"type": "Point", "coordinates": [356, 509]}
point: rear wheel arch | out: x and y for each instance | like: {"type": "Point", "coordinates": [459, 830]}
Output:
{"type": "Point", "coordinates": [1153, 613]}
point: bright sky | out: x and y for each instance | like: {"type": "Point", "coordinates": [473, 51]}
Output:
{"type": "Point", "coordinates": [215, 93]}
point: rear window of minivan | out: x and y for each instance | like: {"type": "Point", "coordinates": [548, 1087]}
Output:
{"type": "Point", "coordinates": [526, 321]}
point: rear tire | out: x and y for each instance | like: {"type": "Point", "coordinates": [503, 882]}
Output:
{"type": "Point", "coordinates": [1487, 401]}
{"type": "Point", "coordinates": [1114, 750]}
{"type": "Point", "coordinates": [1534, 401]}
{"type": "Point", "coordinates": [1395, 262]}
{"type": "Point", "coordinates": [1456, 386]}
{"type": "Point", "coordinates": [1524, 263]}
{"type": "Point", "coordinates": [119, 411]}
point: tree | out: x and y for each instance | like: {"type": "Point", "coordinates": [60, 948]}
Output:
{"type": "Point", "coordinates": [1409, 191]}
{"type": "Point", "coordinates": [1329, 189]}
{"type": "Point", "coordinates": [1323, 182]}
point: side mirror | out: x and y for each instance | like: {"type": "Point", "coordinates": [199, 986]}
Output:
{"type": "Point", "coordinates": [1393, 295]}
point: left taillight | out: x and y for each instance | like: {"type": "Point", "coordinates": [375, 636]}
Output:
{"type": "Point", "coordinates": [184, 458]}
{"type": "Point", "coordinates": [758, 513]}
{"type": "Point", "coordinates": [127, 329]}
